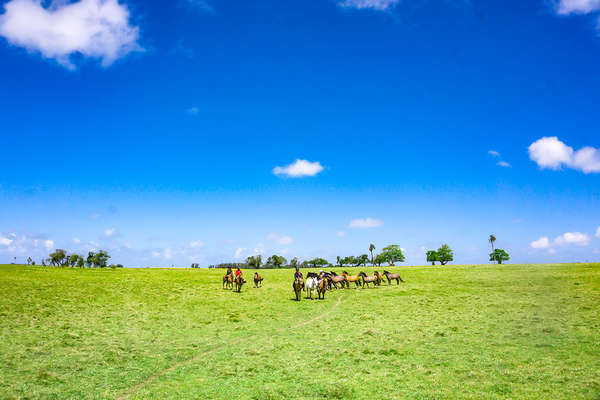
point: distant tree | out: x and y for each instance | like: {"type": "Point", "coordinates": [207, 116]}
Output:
{"type": "Point", "coordinates": [392, 254]}
{"type": "Point", "coordinates": [73, 259]}
{"type": "Point", "coordinates": [380, 259]}
{"type": "Point", "coordinates": [29, 261]}
{"type": "Point", "coordinates": [340, 261]}
{"type": "Point", "coordinates": [318, 262]}
{"type": "Point", "coordinates": [432, 256]}
{"type": "Point", "coordinates": [276, 261]}
{"type": "Point", "coordinates": [80, 261]}
{"type": "Point", "coordinates": [371, 248]}
{"type": "Point", "coordinates": [363, 259]}
{"type": "Point", "coordinates": [57, 257]}
{"type": "Point", "coordinates": [305, 264]}
{"type": "Point", "coordinates": [100, 259]}
{"type": "Point", "coordinates": [254, 261]}
{"type": "Point", "coordinates": [294, 262]}
{"type": "Point", "coordinates": [32, 262]}
{"type": "Point", "coordinates": [492, 239]}
{"type": "Point", "coordinates": [445, 254]}
{"type": "Point", "coordinates": [499, 255]}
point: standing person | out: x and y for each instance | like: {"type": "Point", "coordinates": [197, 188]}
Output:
{"type": "Point", "coordinates": [229, 271]}
{"type": "Point", "coordinates": [238, 272]}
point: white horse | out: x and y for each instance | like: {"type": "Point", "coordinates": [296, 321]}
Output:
{"type": "Point", "coordinates": [310, 287]}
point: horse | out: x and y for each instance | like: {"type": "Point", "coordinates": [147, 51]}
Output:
{"type": "Point", "coordinates": [335, 279]}
{"type": "Point", "coordinates": [390, 277]}
{"type": "Point", "coordinates": [311, 286]}
{"type": "Point", "coordinates": [228, 281]}
{"type": "Point", "coordinates": [367, 279]}
{"type": "Point", "coordinates": [297, 285]}
{"type": "Point", "coordinates": [239, 282]}
{"type": "Point", "coordinates": [351, 278]}
{"type": "Point", "coordinates": [257, 279]}
{"type": "Point", "coordinates": [379, 278]}
{"type": "Point", "coordinates": [322, 287]}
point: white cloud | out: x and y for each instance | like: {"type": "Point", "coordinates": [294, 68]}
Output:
{"type": "Point", "coordinates": [341, 233]}
{"type": "Point", "coordinates": [494, 153]}
{"type": "Point", "coordinates": [239, 253]}
{"type": "Point", "coordinates": [365, 223]}
{"type": "Point", "coordinates": [279, 238]}
{"type": "Point", "coordinates": [541, 243]}
{"type": "Point", "coordinates": [156, 254]}
{"type": "Point", "coordinates": [5, 241]}
{"type": "Point", "coordinates": [576, 238]}
{"type": "Point", "coordinates": [503, 164]}
{"type": "Point", "coordinates": [196, 244]}
{"type": "Point", "coordinates": [587, 160]}
{"type": "Point", "coordinates": [299, 168]}
{"type": "Point", "coordinates": [95, 216]}
{"type": "Point", "coordinates": [379, 5]}
{"type": "Point", "coordinates": [76, 240]}
{"type": "Point", "coordinates": [49, 244]}
{"type": "Point", "coordinates": [598, 232]}
{"type": "Point", "coordinates": [192, 110]}
{"type": "Point", "coordinates": [93, 28]}
{"type": "Point", "coordinates": [566, 7]}
{"type": "Point", "coordinates": [110, 232]}
{"type": "Point", "coordinates": [550, 152]}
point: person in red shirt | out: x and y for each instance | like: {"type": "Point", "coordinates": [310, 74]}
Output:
{"type": "Point", "coordinates": [238, 272]}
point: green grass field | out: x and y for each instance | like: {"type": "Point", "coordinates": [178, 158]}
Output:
{"type": "Point", "coordinates": [514, 331]}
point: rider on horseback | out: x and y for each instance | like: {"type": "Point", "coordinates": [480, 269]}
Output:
{"type": "Point", "coordinates": [298, 275]}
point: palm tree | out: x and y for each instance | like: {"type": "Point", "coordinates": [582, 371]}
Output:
{"type": "Point", "coordinates": [492, 239]}
{"type": "Point", "coordinates": [371, 248]}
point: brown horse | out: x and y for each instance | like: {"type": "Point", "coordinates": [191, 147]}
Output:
{"type": "Point", "coordinates": [379, 278]}
{"type": "Point", "coordinates": [351, 278]}
{"type": "Point", "coordinates": [228, 281]}
{"type": "Point", "coordinates": [257, 279]}
{"type": "Point", "coordinates": [322, 288]}
{"type": "Point", "coordinates": [297, 286]}
{"type": "Point", "coordinates": [335, 279]}
{"type": "Point", "coordinates": [368, 279]}
{"type": "Point", "coordinates": [390, 277]}
{"type": "Point", "coordinates": [239, 282]}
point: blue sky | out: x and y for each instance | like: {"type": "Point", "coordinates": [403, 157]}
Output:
{"type": "Point", "coordinates": [155, 130]}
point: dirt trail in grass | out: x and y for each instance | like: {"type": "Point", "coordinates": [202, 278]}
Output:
{"type": "Point", "coordinates": [132, 390]}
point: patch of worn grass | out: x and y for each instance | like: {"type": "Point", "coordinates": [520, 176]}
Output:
{"type": "Point", "coordinates": [515, 331]}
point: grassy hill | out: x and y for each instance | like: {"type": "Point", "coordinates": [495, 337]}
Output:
{"type": "Point", "coordinates": [510, 331]}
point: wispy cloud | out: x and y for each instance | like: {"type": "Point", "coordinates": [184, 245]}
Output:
{"type": "Point", "coordinates": [365, 223]}
{"type": "Point", "coordinates": [239, 253]}
{"type": "Point", "coordinates": [203, 5]}
{"type": "Point", "coordinates": [92, 28]}
{"type": "Point", "coordinates": [598, 232]}
{"type": "Point", "coordinates": [494, 153]}
{"type": "Point", "coordinates": [192, 110]}
{"type": "Point", "coordinates": [196, 244]}
{"type": "Point", "coordinates": [299, 168]}
{"type": "Point", "coordinates": [551, 153]}
{"type": "Point", "coordinates": [566, 7]}
{"type": "Point", "coordinates": [280, 239]}
{"type": "Point", "coordinates": [503, 164]}
{"type": "Point", "coordinates": [378, 5]}
{"type": "Point", "coordinates": [110, 232]}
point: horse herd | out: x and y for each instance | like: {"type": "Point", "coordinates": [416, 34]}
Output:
{"type": "Point", "coordinates": [323, 281]}
{"type": "Point", "coordinates": [319, 282]}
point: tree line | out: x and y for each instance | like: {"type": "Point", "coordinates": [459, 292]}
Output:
{"type": "Point", "coordinates": [390, 254]}
{"type": "Point", "coordinates": [61, 258]}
